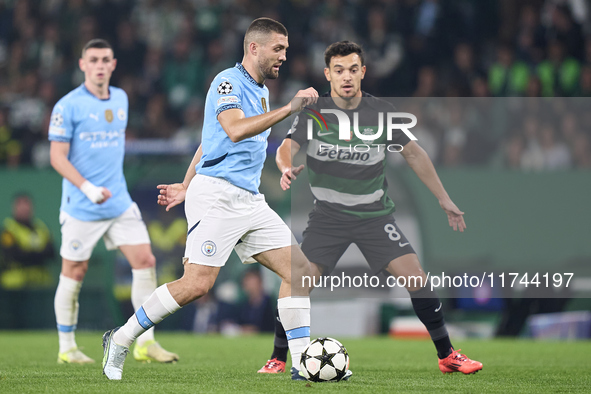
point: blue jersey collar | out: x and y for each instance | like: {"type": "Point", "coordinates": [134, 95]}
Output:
{"type": "Point", "coordinates": [240, 67]}
{"type": "Point", "coordinates": [83, 86]}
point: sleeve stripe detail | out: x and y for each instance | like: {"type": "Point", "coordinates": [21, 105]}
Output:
{"type": "Point", "coordinates": [59, 139]}
{"type": "Point", "coordinates": [226, 107]}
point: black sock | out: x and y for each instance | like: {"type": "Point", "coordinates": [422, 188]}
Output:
{"type": "Point", "coordinates": [443, 346]}
{"type": "Point", "coordinates": [428, 309]}
{"type": "Point", "coordinates": [280, 346]}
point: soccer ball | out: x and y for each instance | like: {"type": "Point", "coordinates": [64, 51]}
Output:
{"type": "Point", "coordinates": [324, 360]}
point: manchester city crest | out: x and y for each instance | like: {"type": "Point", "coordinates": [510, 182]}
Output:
{"type": "Point", "coordinates": [208, 248]}
{"type": "Point", "coordinates": [76, 245]}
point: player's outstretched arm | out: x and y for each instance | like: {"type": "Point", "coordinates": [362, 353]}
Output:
{"type": "Point", "coordinates": [174, 194]}
{"type": "Point", "coordinates": [58, 153]}
{"type": "Point", "coordinates": [419, 161]}
{"type": "Point", "coordinates": [284, 159]}
{"type": "Point", "coordinates": [239, 127]}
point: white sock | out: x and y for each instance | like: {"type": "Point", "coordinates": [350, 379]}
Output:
{"type": "Point", "coordinates": [142, 285]}
{"type": "Point", "coordinates": [158, 306]}
{"type": "Point", "coordinates": [294, 313]}
{"type": "Point", "coordinates": [66, 308]}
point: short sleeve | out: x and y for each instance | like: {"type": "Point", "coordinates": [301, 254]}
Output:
{"type": "Point", "coordinates": [226, 92]}
{"type": "Point", "coordinates": [61, 126]}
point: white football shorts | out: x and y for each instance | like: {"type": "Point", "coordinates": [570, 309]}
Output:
{"type": "Point", "coordinates": [222, 217]}
{"type": "Point", "coordinates": [80, 237]}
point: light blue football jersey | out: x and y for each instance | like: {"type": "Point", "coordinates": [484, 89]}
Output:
{"type": "Point", "coordinates": [240, 163]}
{"type": "Point", "coordinates": [95, 129]}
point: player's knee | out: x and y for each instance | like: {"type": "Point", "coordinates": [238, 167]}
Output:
{"type": "Point", "coordinates": [149, 261]}
{"type": "Point", "coordinates": [199, 290]}
{"type": "Point", "coordinates": [194, 289]}
{"type": "Point", "coordinates": [143, 261]}
{"type": "Point", "coordinates": [78, 275]}
{"type": "Point", "coordinates": [74, 270]}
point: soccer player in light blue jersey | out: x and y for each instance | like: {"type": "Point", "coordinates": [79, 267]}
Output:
{"type": "Point", "coordinates": [87, 134]}
{"type": "Point", "coordinates": [224, 208]}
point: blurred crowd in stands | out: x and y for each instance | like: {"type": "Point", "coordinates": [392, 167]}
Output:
{"type": "Point", "coordinates": [169, 51]}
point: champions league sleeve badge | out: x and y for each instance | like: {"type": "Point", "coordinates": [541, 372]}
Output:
{"type": "Point", "coordinates": [225, 88]}
{"type": "Point", "coordinates": [57, 119]}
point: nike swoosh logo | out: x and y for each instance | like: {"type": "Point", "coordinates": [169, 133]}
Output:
{"type": "Point", "coordinates": [438, 309]}
{"type": "Point", "coordinates": [323, 134]}
{"type": "Point", "coordinates": [402, 245]}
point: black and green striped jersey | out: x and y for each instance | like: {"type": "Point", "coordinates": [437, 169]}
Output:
{"type": "Point", "coordinates": [347, 177]}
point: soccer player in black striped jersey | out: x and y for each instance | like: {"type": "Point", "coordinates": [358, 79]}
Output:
{"type": "Point", "coordinates": [351, 188]}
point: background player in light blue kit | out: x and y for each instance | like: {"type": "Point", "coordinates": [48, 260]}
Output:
{"type": "Point", "coordinates": [87, 134]}
{"type": "Point", "coordinates": [224, 208]}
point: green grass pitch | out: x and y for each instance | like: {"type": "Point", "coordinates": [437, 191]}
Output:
{"type": "Point", "coordinates": [229, 365]}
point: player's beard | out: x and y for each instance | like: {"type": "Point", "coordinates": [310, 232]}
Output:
{"type": "Point", "coordinates": [267, 70]}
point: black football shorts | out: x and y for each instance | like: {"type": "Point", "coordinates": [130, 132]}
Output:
{"type": "Point", "coordinates": [379, 239]}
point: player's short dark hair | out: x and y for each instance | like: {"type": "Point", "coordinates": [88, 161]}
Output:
{"type": "Point", "coordinates": [343, 48]}
{"type": "Point", "coordinates": [22, 195]}
{"type": "Point", "coordinates": [96, 43]}
{"type": "Point", "coordinates": [263, 26]}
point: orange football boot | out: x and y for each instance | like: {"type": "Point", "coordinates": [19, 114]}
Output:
{"type": "Point", "coordinates": [273, 366]}
{"type": "Point", "coordinates": [457, 362]}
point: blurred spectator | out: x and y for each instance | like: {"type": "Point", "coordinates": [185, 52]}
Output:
{"type": "Point", "coordinates": [534, 87]}
{"type": "Point", "coordinates": [50, 52]}
{"type": "Point", "coordinates": [183, 73]}
{"type": "Point", "coordinates": [427, 83]}
{"type": "Point", "coordinates": [513, 152]}
{"type": "Point", "coordinates": [463, 70]}
{"type": "Point", "coordinates": [156, 124]}
{"type": "Point", "coordinates": [587, 52]}
{"type": "Point", "coordinates": [426, 42]}
{"type": "Point", "coordinates": [158, 21]}
{"type": "Point", "coordinates": [40, 149]}
{"type": "Point", "coordinates": [532, 157]}
{"type": "Point", "coordinates": [206, 314]}
{"type": "Point", "coordinates": [560, 73]}
{"type": "Point", "coordinates": [190, 132]}
{"type": "Point", "coordinates": [507, 77]}
{"type": "Point", "coordinates": [569, 127]}
{"type": "Point", "coordinates": [479, 88]}
{"type": "Point", "coordinates": [257, 314]}
{"type": "Point", "coordinates": [128, 49]}
{"type": "Point", "coordinates": [556, 154]}
{"type": "Point", "coordinates": [217, 60]}
{"type": "Point", "coordinates": [566, 30]}
{"type": "Point", "coordinates": [530, 37]}
{"type": "Point", "coordinates": [298, 76]}
{"type": "Point", "coordinates": [168, 52]}
{"type": "Point", "coordinates": [27, 248]}
{"type": "Point", "coordinates": [10, 147]}
{"type": "Point", "coordinates": [585, 82]}
{"type": "Point", "coordinates": [384, 52]}
{"type": "Point", "coordinates": [582, 151]}
{"type": "Point", "coordinates": [151, 75]}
